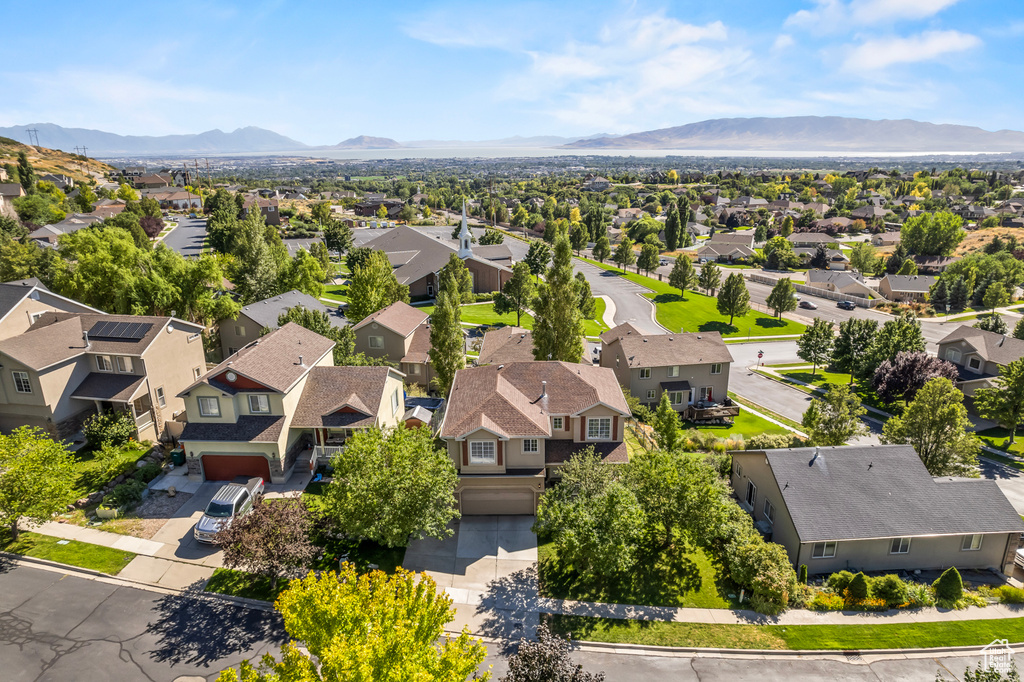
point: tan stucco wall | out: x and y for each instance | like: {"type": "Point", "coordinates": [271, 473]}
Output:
{"type": "Point", "coordinates": [756, 469]}
{"type": "Point", "coordinates": [230, 338]}
{"type": "Point", "coordinates": [170, 362]}
{"type": "Point", "coordinates": [19, 319]}
{"type": "Point", "coordinates": [386, 416]}
{"type": "Point", "coordinates": [395, 345]}
{"type": "Point", "coordinates": [698, 376]}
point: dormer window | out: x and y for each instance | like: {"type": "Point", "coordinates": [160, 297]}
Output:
{"type": "Point", "coordinates": [259, 404]}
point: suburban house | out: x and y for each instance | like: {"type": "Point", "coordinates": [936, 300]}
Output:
{"type": "Point", "coordinates": [47, 235]}
{"type": "Point", "coordinates": [978, 355]}
{"type": "Point", "coordinates": [11, 190]}
{"type": "Point", "coordinates": [874, 508]}
{"type": "Point", "coordinates": [24, 301]}
{"type": "Point", "coordinates": [268, 207]}
{"type": "Point", "coordinates": [851, 283]}
{"type": "Point", "coordinates": [277, 399]}
{"type": "Point", "coordinates": [869, 213]}
{"type": "Point", "coordinates": [510, 427]}
{"type": "Point", "coordinates": [809, 239]}
{"type": "Point", "coordinates": [400, 334]}
{"type": "Point", "coordinates": [887, 238]}
{"type": "Point", "coordinates": [68, 365]}
{"type": "Point", "coordinates": [693, 368]}
{"type": "Point", "coordinates": [417, 259]}
{"type": "Point", "coordinates": [837, 260]}
{"type": "Point", "coordinates": [727, 247]}
{"type": "Point", "coordinates": [505, 345]}
{"type": "Point", "coordinates": [60, 181]}
{"type": "Point", "coordinates": [255, 317]}
{"type": "Point", "coordinates": [155, 180]}
{"type": "Point", "coordinates": [906, 288]}
{"type": "Point", "coordinates": [179, 200]}
{"type": "Point", "coordinates": [933, 265]}
{"type": "Point", "coordinates": [596, 184]}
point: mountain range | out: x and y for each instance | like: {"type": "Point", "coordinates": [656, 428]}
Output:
{"type": "Point", "coordinates": [829, 134]}
{"type": "Point", "coordinates": [815, 133]}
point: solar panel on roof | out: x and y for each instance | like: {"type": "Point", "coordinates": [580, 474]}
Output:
{"type": "Point", "coordinates": [120, 330]}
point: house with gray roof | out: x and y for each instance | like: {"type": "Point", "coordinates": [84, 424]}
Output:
{"type": "Point", "coordinates": [255, 317]}
{"type": "Point", "coordinates": [906, 288]}
{"type": "Point", "coordinates": [978, 355]}
{"type": "Point", "coordinates": [47, 235]}
{"type": "Point", "coordinates": [279, 403]}
{"type": "Point", "coordinates": [848, 282]}
{"type": "Point", "coordinates": [693, 368]}
{"type": "Point", "coordinates": [24, 301]}
{"type": "Point", "coordinates": [874, 508]}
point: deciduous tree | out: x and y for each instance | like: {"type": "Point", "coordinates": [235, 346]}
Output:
{"type": "Point", "coordinates": [710, 278]}
{"type": "Point", "coordinates": [936, 424]}
{"type": "Point", "coordinates": [373, 286]}
{"type": "Point", "coordinates": [1004, 402]}
{"type": "Point", "coordinates": [734, 299]}
{"type": "Point", "coordinates": [558, 323]}
{"type": "Point", "coordinates": [683, 275]}
{"type": "Point", "coordinates": [672, 228]}
{"type": "Point", "coordinates": [816, 343]}
{"type": "Point", "coordinates": [624, 255]}
{"type": "Point", "coordinates": [391, 486]}
{"type": "Point", "coordinates": [456, 269]}
{"type": "Point", "coordinates": [855, 338]}
{"type": "Point", "coordinates": [518, 293]}
{"type": "Point", "coordinates": [546, 659]}
{"type": "Point", "coordinates": [36, 477]}
{"type": "Point", "coordinates": [648, 258]}
{"type": "Point", "coordinates": [666, 424]}
{"type": "Point", "coordinates": [900, 334]}
{"type": "Point", "coordinates": [903, 376]}
{"type": "Point", "coordinates": [578, 237]}
{"type": "Point", "coordinates": [602, 249]}
{"type": "Point", "coordinates": [782, 298]}
{"type": "Point", "coordinates": [537, 257]}
{"type": "Point", "coordinates": [835, 418]}
{"type": "Point", "coordinates": [337, 236]}
{"type": "Point", "coordinates": [447, 344]}
{"type": "Point", "coordinates": [588, 304]}
{"type": "Point", "coordinates": [932, 234]}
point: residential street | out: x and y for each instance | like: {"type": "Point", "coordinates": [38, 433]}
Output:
{"type": "Point", "coordinates": [188, 237]}
{"type": "Point", "coordinates": [61, 628]}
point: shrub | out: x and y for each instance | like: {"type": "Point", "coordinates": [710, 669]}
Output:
{"type": "Point", "coordinates": [128, 493]}
{"type": "Point", "coordinates": [720, 462]}
{"type": "Point", "coordinates": [800, 596]}
{"type": "Point", "coordinates": [840, 581]}
{"type": "Point", "coordinates": [148, 472]}
{"type": "Point", "coordinates": [772, 441]}
{"type": "Point", "coordinates": [890, 589]}
{"type": "Point", "coordinates": [858, 587]}
{"type": "Point", "coordinates": [483, 296]}
{"type": "Point", "coordinates": [949, 588]}
{"type": "Point", "coordinates": [764, 568]}
{"type": "Point", "coordinates": [1008, 594]}
{"type": "Point", "coordinates": [766, 604]}
{"type": "Point", "coordinates": [111, 428]}
{"type": "Point", "coordinates": [803, 574]}
{"type": "Point", "coordinates": [113, 461]}
{"type": "Point", "coordinates": [826, 601]}
{"type": "Point", "coordinates": [919, 595]}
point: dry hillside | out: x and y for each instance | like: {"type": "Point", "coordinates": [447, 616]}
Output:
{"type": "Point", "coordinates": [976, 239]}
{"type": "Point", "coordinates": [51, 160]}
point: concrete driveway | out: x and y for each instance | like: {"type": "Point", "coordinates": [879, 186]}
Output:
{"type": "Point", "coordinates": [179, 542]}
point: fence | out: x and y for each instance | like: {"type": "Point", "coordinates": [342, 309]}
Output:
{"type": "Point", "coordinates": [823, 293]}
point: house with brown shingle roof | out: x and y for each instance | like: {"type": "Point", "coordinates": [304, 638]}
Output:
{"type": "Point", "coordinates": [399, 333]}
{"type": "Point", "coordinates": [509, 428]}
{"type": "Point", "coordinates": [279, 403]}
{"type": "Point", "coordinates": [510, 344]}
{"type": "Point", "coordinates": [978, 355]}
{"type": "Point", "coordinates": [693, 368]}
{"type": "Point", "coordinates": [67, 366]}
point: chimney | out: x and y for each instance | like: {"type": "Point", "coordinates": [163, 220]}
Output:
{"type": "Point", "coordinates": [543, 388]}
{"type": "Point", "coordinates": [85, 337]}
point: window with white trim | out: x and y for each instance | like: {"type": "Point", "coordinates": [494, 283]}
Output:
{"type": "Point", "coordinates": [124, 364]}
{"type": "Point", "coordinates": [239, 330]}
{"type": "Point", "coordinates": [953, 355]}
{"type": "Point", "coordinates": [196, 372]}
{"type": "Point", "coordinates": [160, 399]}
{"type": "Point", "coordinates": [103, 363]}
{"type": "Point", "coordinates": [823, 550]}
{"type": "Point", "coordinates": [22, 384]}
{"type": "Point", "coordinates": [716, 368]}
{"type": "Point", "coordinates": [531, 445]}
{"type": "Point", "coordinates": [557, 423]}
{"type": "Point", "coordinates": [209, 407]}
{"type": "Point", "coordinates": [259, 404]}
{"type": "Point", "coordinates": [676, 397]}
{"type": "Point", "coordinates": [394, 402]}
{"type": "Point", "coordinates": [673, 371]}
{"type": "Point", "coordinates": [899, 546]}
{"type": "Point", "coordinates": [376, 341]}
{"type": "Point", "coordinates": [769, 511]}
{"type": "Point", "coordinates": [645, 373]}
{"type": "Point", "coordinates": [482, 452]}
{"type": "Point", "coordinates": [971, 543]}
{"type": "Point", "coordinates": [599, 428]}
{"type": "Point", "coordinates": [651, 393]}
{"type": "Point", "coordinates": [974, 363]}
{"type": "Point", "coordinates": [705, 393]}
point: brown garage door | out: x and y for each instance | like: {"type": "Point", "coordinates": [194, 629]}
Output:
{"type": "Point", "coordinates": [506, 502]}
{"type": "Point", "coordinates": [227, 467]}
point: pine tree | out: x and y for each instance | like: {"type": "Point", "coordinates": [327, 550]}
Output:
{"type": "Point", "coordinates": [940, 295]}
{"type": "Point", "coordinates": [558, 324]}
{"type": "Point", "coordinates": [666, 424]}
{"type": "Point", "coordinates": [26, 174]}
{"type": "Point", "coordinates": [447, 349]}
{"type": "Point", "coordinates": [959, 294]}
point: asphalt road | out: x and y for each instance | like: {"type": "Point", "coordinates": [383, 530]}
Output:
{"type": "Point", "coordinates": [188, 237]}
{"type": "Point", "coordinates": [61, 627]}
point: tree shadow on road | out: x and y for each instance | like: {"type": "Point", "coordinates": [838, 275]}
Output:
{"type": "Point", "coordinates": [509, 607]}
{"type": "Point", "coordinates": [198, 629]}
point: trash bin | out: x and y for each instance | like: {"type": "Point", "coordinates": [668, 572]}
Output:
{"type": "Point", "coordinates": [178, 456]}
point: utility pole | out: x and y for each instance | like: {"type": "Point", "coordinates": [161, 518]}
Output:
{"type": "Point", "coordinates": [209, 180]}
{"type": "Point", "coordinates": [187, 192]}
{"type": "Point", "coordinates": [33, 133]}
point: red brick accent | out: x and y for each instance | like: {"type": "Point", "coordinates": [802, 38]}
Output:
{"type": "Point", "coordinates": [615, 427]}
{"type": "Point", "coordinates": [465, 453]}
{"type": "Point", "coordinates": [500, 453]}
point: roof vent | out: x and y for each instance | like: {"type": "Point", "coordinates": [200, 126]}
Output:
{"type": "Point", "coordinates": [501, 367]}
{"type": "Point", "coordinates": [85, 337]}
{"type": "Point", "coordinates": [300, 360]}
{"type": "Point", "coordinates": [543, 388]}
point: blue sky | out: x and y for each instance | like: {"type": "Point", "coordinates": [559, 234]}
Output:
{"type": "Point", "coordinates": [322, 72]}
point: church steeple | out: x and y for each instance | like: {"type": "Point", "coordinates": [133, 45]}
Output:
{"type": "Point", "coordinates": [465, 238]}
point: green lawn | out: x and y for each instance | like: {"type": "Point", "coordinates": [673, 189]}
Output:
{"type": "Point", "coordinates": [72, 552]}
{"type": "Point", "coordinates": [336, 292]}
{"type": "Point", "coordinates": [793, 637]}
{"type": "Point", "coordinates": [999, 438]}
{"type": "Point", "coordinates": [92, 474]}
{"type": "Point", "coordinates": [765, 410]}
{"type": "Point", "coordinates": [822, 379]}
{"type": "Point", "coordinates": [242, 584]}
{"type": "Point", "coordinates": [596, 326]}
{"type": "Point", "coordinates": [746, 425]}
{"type": "Point", "coordinates": [699, 312]}
{"type": "Point", "coordinates": [789, 364]}
{"type": "Point", "coordinates": [687, 579]}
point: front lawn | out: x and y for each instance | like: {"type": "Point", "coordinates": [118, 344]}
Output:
{"type": "Point", "coordinates": [745, 425]}
{"type": "Point", "coordinates": [699, 312]}
{"type": "Point", "coordinates": [336, 292]}
{"type": "Point", "coordinates": [92, 473]}
{"type": "Point", "coordinates": [999, 438]}
{"type": "Point", "coordinates": [793, 637]}
{"type": "Point", "coordinates": [71, 552]}
{"type": "Point", "coordinates": [823, 379]}
{"type": "Point", "coordinates": [687, 578]}
{"type": "Point", "coordinates": [242, 584]}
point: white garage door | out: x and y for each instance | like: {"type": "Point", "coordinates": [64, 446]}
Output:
{"type": "Point", "coordinates": [504, 502]}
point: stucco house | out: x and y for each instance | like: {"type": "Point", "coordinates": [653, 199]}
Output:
{"type": "Point", "coordinates": [978, 355]}
{"type": "Point", "coordinates": [693, 368]}
{"type": "Point", "coordinates": [509, 428]}
{"type": "Point", "coordinates": [268, 207]}
{"type": "Point", "coordinates": [23, 302]}
{"type": "Point", "coordinates": [510, 344]}
{"type": "Point", "coordinates": [67, 366]}
{"type": "Point", "coordinates": [874, 508]}
{"type": "Point", "coordinates": [906, 288]}
{"type": "Point", "coordinates": [727, 247]}
{"type": "Point", "coordinates": [255, 317]}
{"type": "Point", "coordinates": [279, 403]}
{"type": "Point", "coordinates": [399, 333]}
{"type": "Point", "coordinates": [851, 283]}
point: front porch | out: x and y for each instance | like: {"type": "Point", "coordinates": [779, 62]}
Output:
{"type": "Point", "coordinates": [121, 393]}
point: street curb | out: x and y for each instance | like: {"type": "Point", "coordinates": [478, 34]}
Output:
{"type": "Point", "coordinates": [637, 649]}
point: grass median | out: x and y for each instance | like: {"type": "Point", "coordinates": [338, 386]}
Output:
{"type": "Point", "coordinates": [72, 552]}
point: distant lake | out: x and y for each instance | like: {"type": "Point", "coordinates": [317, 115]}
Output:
{"type": "Point", "coordinates": [539, 152]}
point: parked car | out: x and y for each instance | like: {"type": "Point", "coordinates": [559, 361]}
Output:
{"type": "Point", "coordinates": [847, 305]}
{"type": "Point", "coordinates": [663, 261]}
{"type": "Point", "coordinates": [232, 501]}
{"type": "Point", "coordinates": [808, 305]}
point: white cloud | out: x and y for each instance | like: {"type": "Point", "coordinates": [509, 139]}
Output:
{"type": "Point", "coordinates": [880, 53]}
{"type": "Point", "coordinates": [783, 41]}
{"type": "Point", "coordinates": [833, 16]}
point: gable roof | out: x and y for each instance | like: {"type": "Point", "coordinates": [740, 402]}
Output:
{"type": "Point", "coordinates": [505, 345]}
{"type": "Point", "coordinates": [399, 317]}
{"type": "Point", "coordinates": [507, 400]}
{"type": "Point", "coordinates": [272, 360]}
{"type": "Point", "coordinates": [731, 238]}
{"type": "Point", "coordinates": [661, 350]}
{"type": "Point", "coordinates": [882, 491]}
{"type": "Point", "coordinates": [623, 329]}
{"type": "Point", "coordinates": [329, 389]}
{"type": "Point", "coordinates": [421, 253]}
{"type": "Point", "coordinates": [992, 347]}
{"type": "Point", "coordinates": [810, 238]}
{"type": "Point", "coordinates": [913, 283]}
{"type": "Point", "coordinates": [266, 312]}
{"type": "Point", "coordinates": [839, 278]}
